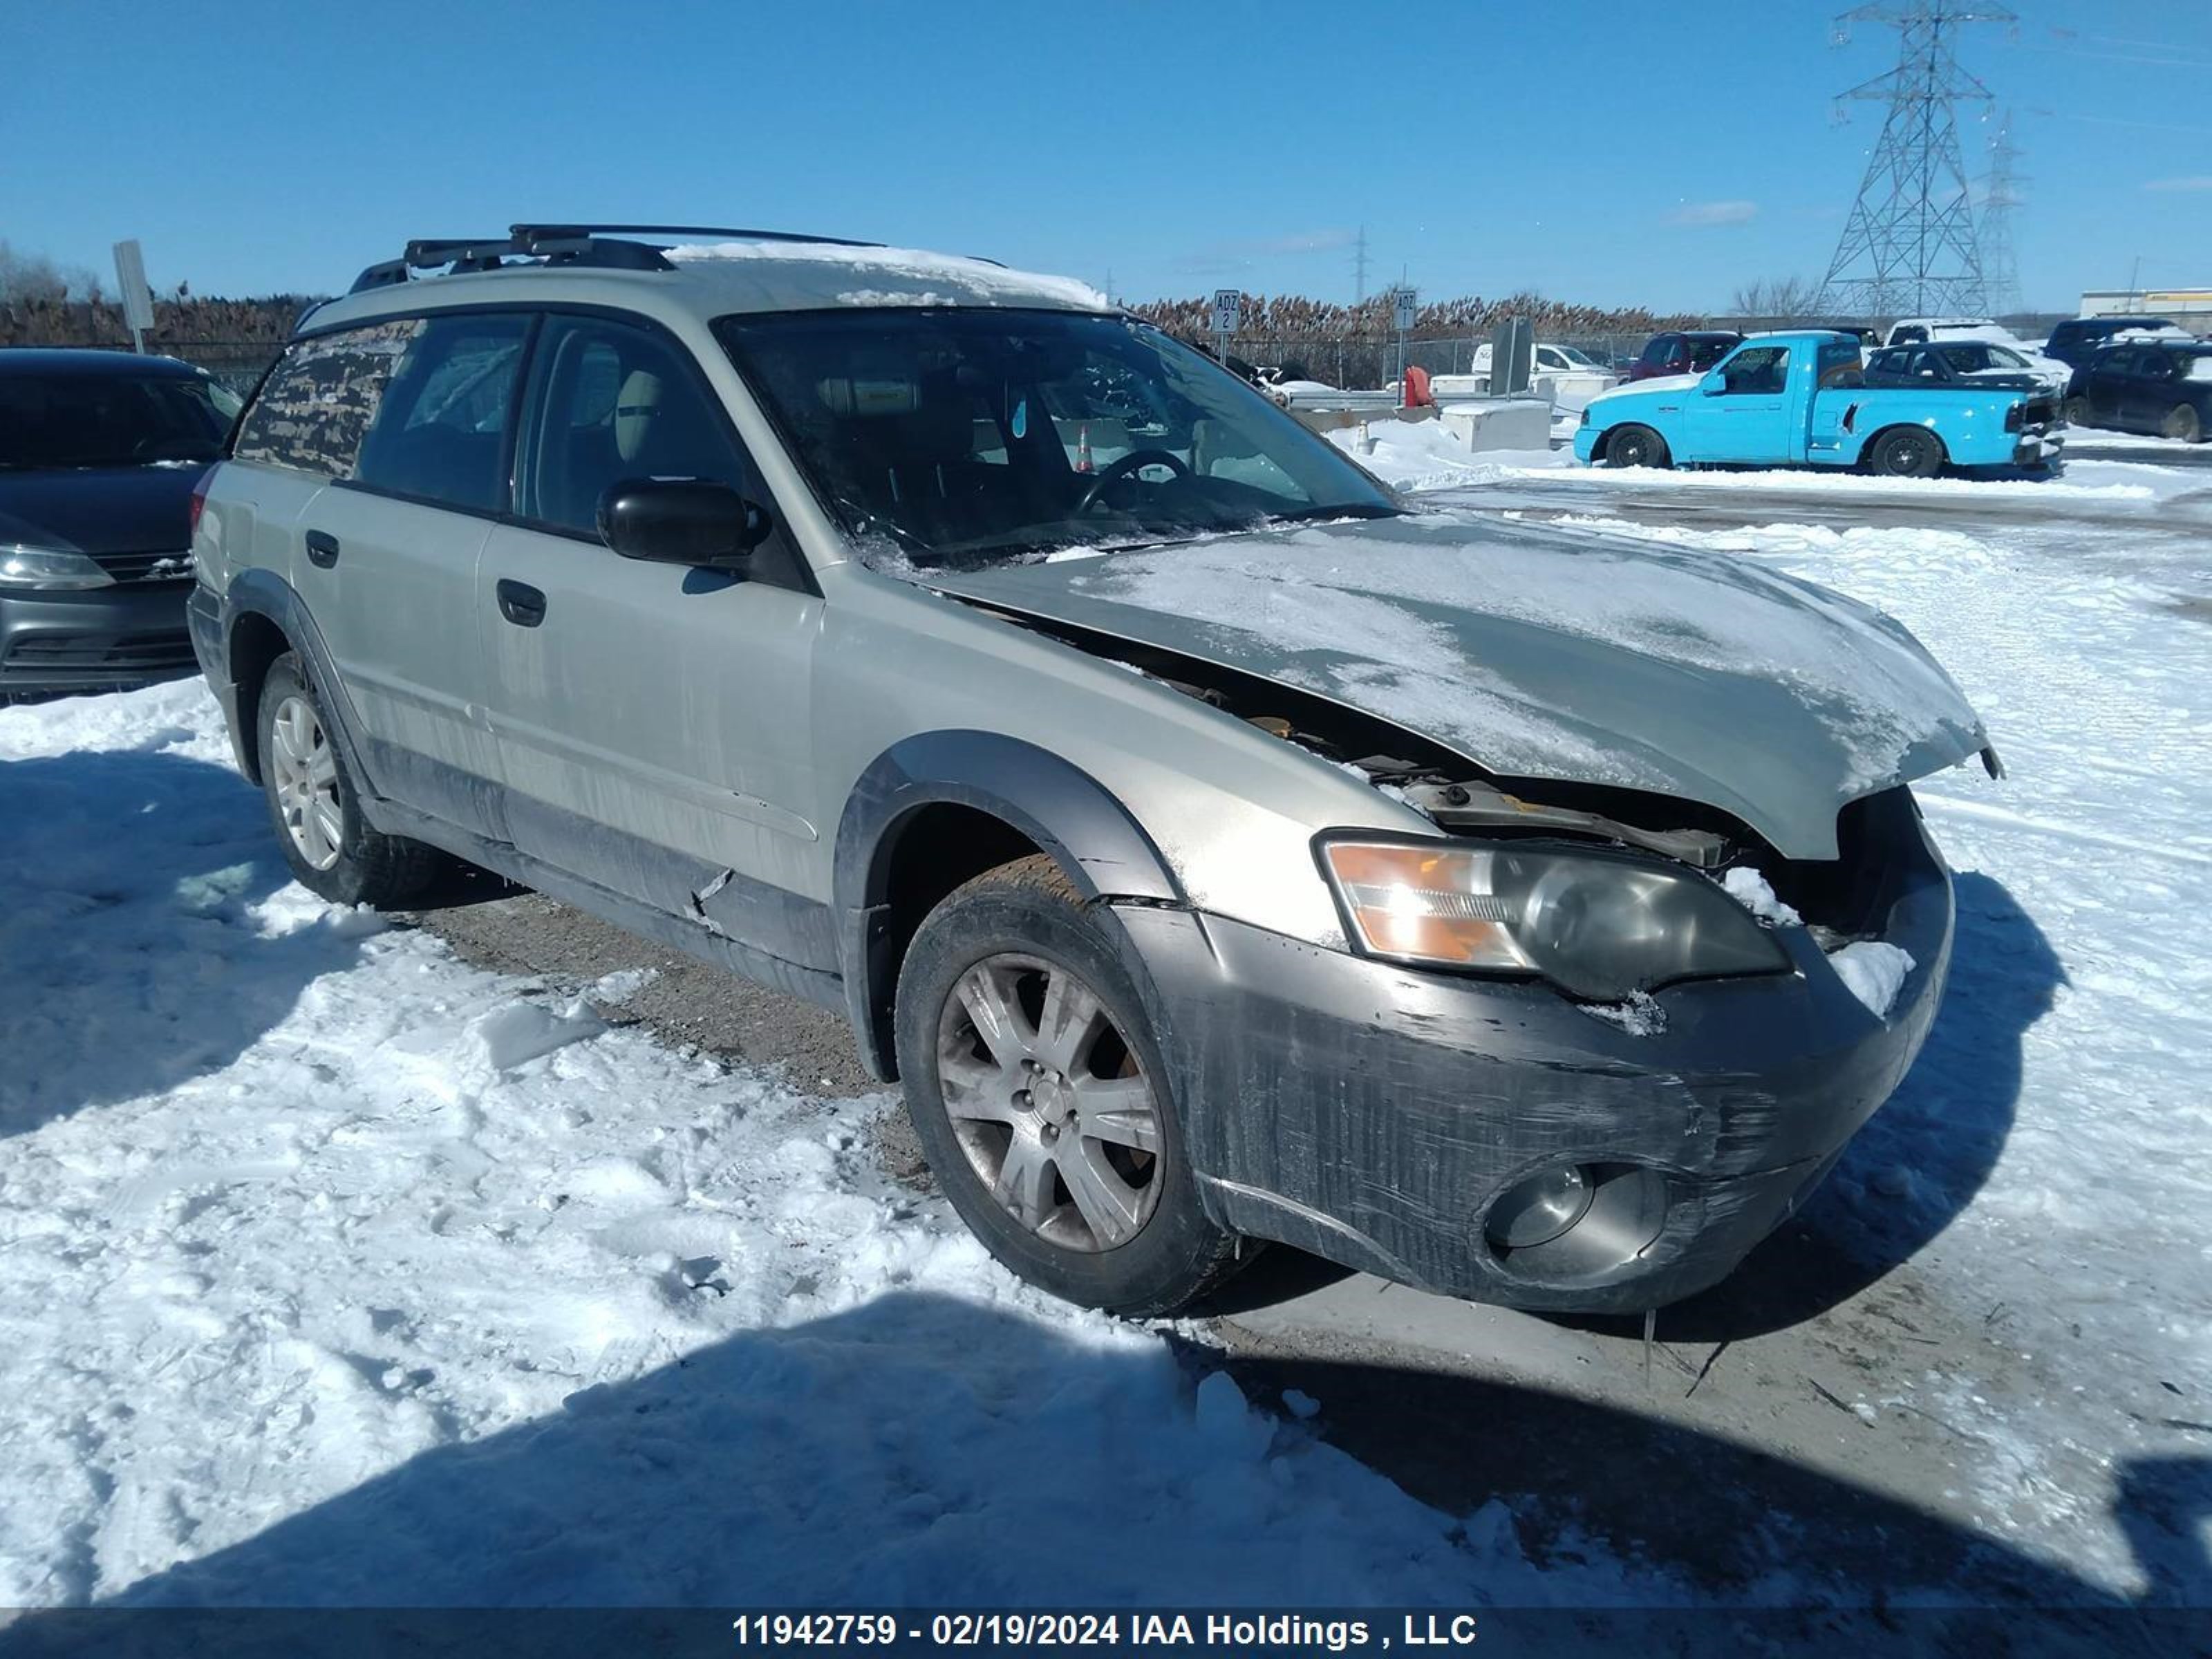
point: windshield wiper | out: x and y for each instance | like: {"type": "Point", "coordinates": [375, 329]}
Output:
{"type": "Point", "coordinates": [1349, 510]}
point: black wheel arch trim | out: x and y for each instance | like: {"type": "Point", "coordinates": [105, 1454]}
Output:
{"type": "Point", "coordinates": [262, 593]}
{"type": "Point", "coordinates": [1062, 809]}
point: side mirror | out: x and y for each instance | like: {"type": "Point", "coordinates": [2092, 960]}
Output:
{"type": "Point", "coordinates": [684, 521]}
{"type": "Point", "coordinates": [1713, 385]}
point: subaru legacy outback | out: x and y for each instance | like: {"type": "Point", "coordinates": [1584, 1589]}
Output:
{"type": "Point", "coordinates": [1213, 847]}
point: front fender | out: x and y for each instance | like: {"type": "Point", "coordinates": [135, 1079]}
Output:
{"type": "Point", "coordinates": [1059, 807]}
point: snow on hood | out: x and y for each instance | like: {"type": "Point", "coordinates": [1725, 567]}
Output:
{"type": "Point", "coordinates": [1539, 652]}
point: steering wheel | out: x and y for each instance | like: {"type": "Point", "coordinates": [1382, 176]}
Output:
{"type": "Point", "coordinates": [1127, 467]}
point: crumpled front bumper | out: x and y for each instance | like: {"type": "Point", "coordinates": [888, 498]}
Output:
{"type": "Point", "coordinates": [1373, 1115]}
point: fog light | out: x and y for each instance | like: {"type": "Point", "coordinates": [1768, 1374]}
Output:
{"type": "Point", "coordinates": [1540, 1209]}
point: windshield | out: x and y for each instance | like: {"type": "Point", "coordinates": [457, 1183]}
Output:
{"type": "Point", "coordinates": [1703, 354]}
{"type": "Point", "coordinates": [970, 437]}
{"type": "Point", "coordinates": [108, 420]}
{"type": "Point", "coordinates": [1978, 357]}
{"type": "Point", "coordinates": [1580, 359]}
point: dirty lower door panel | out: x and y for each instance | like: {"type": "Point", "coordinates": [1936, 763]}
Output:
{"type": "Point", "coordinates": [652, 728]}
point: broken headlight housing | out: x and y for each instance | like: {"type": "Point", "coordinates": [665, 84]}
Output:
{"type": "Point", "coordinates": [1599, 926]}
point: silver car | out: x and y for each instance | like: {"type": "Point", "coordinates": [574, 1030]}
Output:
{"type": "Point", "coordinates": [1215, 848]}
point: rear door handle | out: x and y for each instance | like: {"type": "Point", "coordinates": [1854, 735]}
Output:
{"type": "Point", "coordinates": [521, 603]}
{"type": "Point", "coordinates": [322, 549]}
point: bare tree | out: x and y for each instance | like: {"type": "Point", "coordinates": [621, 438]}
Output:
{"type": "Point", "coordinates": [25, 278]}
{"type": "Point", "coordinates": [1780, 299]}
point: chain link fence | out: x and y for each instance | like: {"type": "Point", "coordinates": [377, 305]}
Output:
{"type": "Point", "coordinates": [1362, 361]}
{"type": "Point", "coordinates": [237, 364]}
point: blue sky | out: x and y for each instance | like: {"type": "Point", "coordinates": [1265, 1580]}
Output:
{"type": "Point", "coordinates": [1599, 151]}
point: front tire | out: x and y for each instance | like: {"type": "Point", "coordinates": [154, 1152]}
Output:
{"type": "Point", "coordinates": [315, 807]}
{"type": "Point", "coordinates": [1907, 452]}
{"type": "Point", "coordinates": [1638, 446]}
{"type": "Point", "coordinates": [2184, 423]}
{"type": "Point", "coordinates": [2077, 411]}
{"type": "Point", "coordinates": [1042, 1102]}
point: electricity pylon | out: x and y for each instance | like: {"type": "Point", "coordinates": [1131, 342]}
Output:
{"type": "Point", "coordinates": [1909, 245]}
{"type": "Point", "coordinates": [2000, 195]}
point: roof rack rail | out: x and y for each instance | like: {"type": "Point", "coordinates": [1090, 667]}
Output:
{"type": "Point", "coordinates": [602, 245]}
{"type": "Point", "coordinates": [733, 233]}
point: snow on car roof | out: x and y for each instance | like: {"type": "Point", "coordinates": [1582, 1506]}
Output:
{"type": "Point", "coordinates": [804, 276]}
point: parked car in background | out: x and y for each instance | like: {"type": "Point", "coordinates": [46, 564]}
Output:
{"type": "Point", "coordinates": [2076, 340]}
{"type": "Point", "coordinates": [1568, 376]}
{"type": "Point", "coordinates": [2147, 385]}
{"type": "Point", "coordinates": [1801, 399]}
{"type": "Point", "coordinates": [1214, 850]}
{"type": "Point", "coordinates": [1686, 351]}
{"type": "Point", "coordinates": [2019, 354]}
{"type": "Point", "coordinates": [1953, 362]}
{"type": "Point", "coordinates": [99, 453]}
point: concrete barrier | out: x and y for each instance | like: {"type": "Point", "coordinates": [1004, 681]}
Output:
{"type": "Point", "coordinates": [1335, 420]}
{"type": "Point", "coordinates": [1500, 422]}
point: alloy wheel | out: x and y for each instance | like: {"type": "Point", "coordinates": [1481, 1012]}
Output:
{"type": "Point", "coordinates": [1049, 1102]}
{"type": "Point", "coordinates": [304, 773]}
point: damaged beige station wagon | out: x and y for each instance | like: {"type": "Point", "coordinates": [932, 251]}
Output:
{"type": "Point", "coordinates": [1214, 848]}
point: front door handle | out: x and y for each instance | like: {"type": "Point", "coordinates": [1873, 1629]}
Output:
{"type": "Point", "coordinates": [521, 603]}
{"type": "Point", "coordinates": [322, 549]}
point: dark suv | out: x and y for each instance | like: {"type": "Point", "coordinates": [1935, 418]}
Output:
{"type": "Point", "coordinates": [2079, 338]}
{"type": "Point", "coordinates": [99, 453]}
{"type": "Point", "coordinates": [2148, 385]}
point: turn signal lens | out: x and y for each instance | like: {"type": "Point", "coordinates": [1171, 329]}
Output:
{"type": "Point", "coordinates": [1407, 901]}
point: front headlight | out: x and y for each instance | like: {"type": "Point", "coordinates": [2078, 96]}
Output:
{"type": "Point", "coordinates": [1596, 924]}
{"type": "Point", "coordinates": [48, 568]}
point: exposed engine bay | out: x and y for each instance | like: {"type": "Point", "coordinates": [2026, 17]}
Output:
{"type": "Point", "coordinates": [1834, 898]}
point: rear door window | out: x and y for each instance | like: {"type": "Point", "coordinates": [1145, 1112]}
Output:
{"type": "Point", "coordinates": [316, 405]}
{"type": "Point", "coordinates": [439, 430]}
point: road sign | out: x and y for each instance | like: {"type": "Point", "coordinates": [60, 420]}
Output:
{"type": "Point", "coordinates": [131, 286]}
{"type": "Point", "coordinates": [1404, 302]}
{"type": "Point", "coordinates": [1228, 310]}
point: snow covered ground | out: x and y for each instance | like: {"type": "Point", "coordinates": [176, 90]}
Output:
{"type": "Point", "coordinates": [334, 1270]}
{"type": "Point", "coordinates": [2050, 1160]}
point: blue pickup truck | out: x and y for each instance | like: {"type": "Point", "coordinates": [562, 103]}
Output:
{"type": "Point", "coordinates": [1801, 399]}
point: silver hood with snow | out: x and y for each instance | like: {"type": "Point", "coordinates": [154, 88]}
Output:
{"type": "Point", "coordinates": [1544, 653]}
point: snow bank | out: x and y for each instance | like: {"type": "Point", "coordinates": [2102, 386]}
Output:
{"type": "Point", "coordinates": [2063, 1083]}
{"type": "Point", "coordinates": [335, 1272]}
{"type": "Point", "coordinates": [1424, 455]}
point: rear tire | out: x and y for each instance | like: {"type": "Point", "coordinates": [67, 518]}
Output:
{"type": "Point", "coordinates": [1019, 1030]}
{"type": "Point", "coordinates": [1638, 446]}
{"type": "Point", "coordinates": [2184, 423]}
{"type": "Point", "coordinates": [314, 805]}
{"type": "Point", "coordinates": [1909, 451]}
